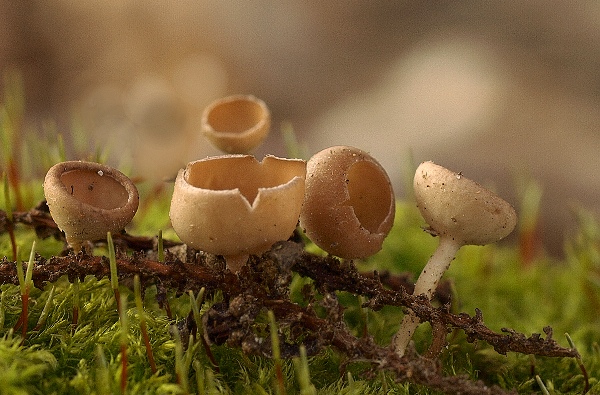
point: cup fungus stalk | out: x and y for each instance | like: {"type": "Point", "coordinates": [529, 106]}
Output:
{"type": "Point", "coordinates": [460, 212]}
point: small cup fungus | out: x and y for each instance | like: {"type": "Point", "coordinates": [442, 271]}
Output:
{"type": "Point", "coordinates": [459, 211]}
{"type": "Point", "coordinates": [349, 203]}
{"type": "Point", "coordinates": [236, 124]}
{"type": "Point", "coordinates": [233, 205]}
{"type": "Point", "coordinates": [88, 199]}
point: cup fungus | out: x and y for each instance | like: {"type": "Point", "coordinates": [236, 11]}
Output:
{"type": "Point", "coordinates": [88, 199]}
{"type": "Point", "coordinates": [459, 211]}
{"type": "Point", "coordinates": [236, 124]}
{"type": "Point", "coordinates": [233, 205]}
{"type": "Point", "coordinates": [349, 203]}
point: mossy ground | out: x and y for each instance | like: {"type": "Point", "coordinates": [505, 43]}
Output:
{"type": "Point", "coordinates": [58, 357]}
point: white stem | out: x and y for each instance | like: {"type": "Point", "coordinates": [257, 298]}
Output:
{"type": "Point", "coordinates": [426, 285]}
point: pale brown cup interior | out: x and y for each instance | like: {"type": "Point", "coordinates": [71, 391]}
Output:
{"type": "Point", "coordinates": [371, 200]}
{"type": "Point", "coordinates": [95, 188]}
{"type": "Point", "coordinates": [235, 116]}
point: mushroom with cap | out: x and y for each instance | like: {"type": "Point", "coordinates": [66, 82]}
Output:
{"type": "Point", "coordinates": [236, 124]}
{"type": "Point", "coordinates": [349, 203]}
{"type": "Point", "coordinates": [87, 200]}
{"type": "Point", "coordinates": [459, 211]}
{"type": "Point", "coordinates": [234, 205]}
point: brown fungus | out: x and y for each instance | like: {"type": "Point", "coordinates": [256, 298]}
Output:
{"type": "Point", "coordinates": [349, 203]}
{"type": "Point", "coordinates": [236, 124]}
{"type": "Point", "coordinates": [233, 205]}
{"type": "Point", "coordinates": [459, 211]}
{"type": "Point", "coordinates": [88, 199]}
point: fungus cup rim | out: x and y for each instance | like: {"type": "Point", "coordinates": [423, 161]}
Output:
{"type": "Point", "coordinates": [239, 140]}
{"type": "Point", "coordinates": [53, 179]}
{"type": "Point", "coordinates": [218, 216]}
{"type": "Point", "coordinates": [266, 165]}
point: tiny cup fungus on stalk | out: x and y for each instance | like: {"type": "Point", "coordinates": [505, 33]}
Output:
{"type": "Point", "coordinates": [460, 212]}
{"type": "Point", "coordinates": [236, 124]}
{"type": "Point", "coordinates": [233, 205]}
{"type": "Point", "coordinates": [349, 203]}
{"type": "Point", "coordinates": [88, 199]}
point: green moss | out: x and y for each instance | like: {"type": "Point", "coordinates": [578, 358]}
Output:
{"type": "Point", "coordinates": [64, 357]}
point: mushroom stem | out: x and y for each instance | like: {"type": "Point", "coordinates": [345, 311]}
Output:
{"type": "Point", "coordinates": [235, 262]}
{"type": "Point", "coordinates": [74, 243]}
{"type": "Point", "coordinates": [426, 284]}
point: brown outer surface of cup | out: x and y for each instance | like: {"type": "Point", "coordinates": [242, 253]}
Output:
{"type": "Point", "coordinates": [328, 215]}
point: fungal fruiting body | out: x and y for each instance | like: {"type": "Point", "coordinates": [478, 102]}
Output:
{"type": "Point", "coordinates": [233, 205]}
{"type": "Point", "coordinates": [87, 200]}
{"type": "Point", "coordinates": [236, 124]}
{"type": "Point", "coordinates": [349, 203]}
{"type": "Point", "coordinates": [459, 211]}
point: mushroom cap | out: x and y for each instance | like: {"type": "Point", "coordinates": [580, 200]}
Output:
{"type": "Point", "coordinates": [349, 203]}
{"type": "Point", "coordinates": [236, 124]}
{"type": "Point", "coordinates": [88, 199]}
{"type": "Point", "coordinates": [460, 208]}
{"type": "Point", "coordinates": [234, 205]}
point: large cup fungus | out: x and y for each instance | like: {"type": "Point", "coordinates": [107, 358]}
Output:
{"type": "Point", "coordinates": [459, 211]}
{"type": "Point", "coordinates": [88, 199]}
{"type": "Point", "coordinates": [349, 204]}
{"type": "Point", "coordinates": [236, 124]}
{"type": "Point", "coordinates": [233, 205]}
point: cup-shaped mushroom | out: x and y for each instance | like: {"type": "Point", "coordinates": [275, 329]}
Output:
{"type": "Point", "coordinates": [88, 199]}
{"type": "Point", "coordinates": [234, 205]}
{"type": "Point", "coordinates": [456, 206]}
{"type": "Point", "coordinates": [349, 203]}
{"type": "Point", "coordinates": [236, 124]}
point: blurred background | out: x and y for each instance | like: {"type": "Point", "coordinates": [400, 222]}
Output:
{"type": "Point", "coordinates": [503, 91]}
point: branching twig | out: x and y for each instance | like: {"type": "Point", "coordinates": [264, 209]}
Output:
{"type": "Point", "coordinates": [329, 275]}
